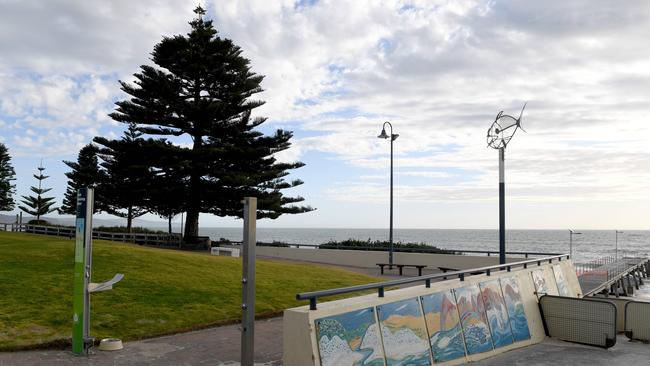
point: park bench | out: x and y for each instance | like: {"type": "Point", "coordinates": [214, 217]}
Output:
{"type": "Point", "coordinates": [401, 267]}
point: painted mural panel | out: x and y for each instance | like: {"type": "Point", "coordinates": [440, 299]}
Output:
{"type": "Point", "coordinates": [541, 286]}
{"type": "Point", "coordinates": [443, 324]}
{"type": "Point", "coordinates": [562, 285]}
{"type": "Point", "coordinates": [515, 306]}
{"type": "Point", "coordinates": [473, 320]}
{"type": "Point", "coordinates": [350, 339]}
{"type": "Point", "coordinates": [404, 333]}
{"type": "Point", "coordinates": [497, 315]}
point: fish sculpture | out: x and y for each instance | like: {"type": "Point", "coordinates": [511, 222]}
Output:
{"type": "Point", "coordinates": [503, 129]}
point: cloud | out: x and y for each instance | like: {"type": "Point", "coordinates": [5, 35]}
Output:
{"type": "Point", "coordinates": [438, 70]}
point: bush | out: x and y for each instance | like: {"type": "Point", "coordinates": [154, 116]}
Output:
{"type": "Point", "coordinates": [384, 246]}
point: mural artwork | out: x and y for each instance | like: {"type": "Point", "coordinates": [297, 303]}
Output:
{"type": "Point", "coordinates": [515, 306]}
{"type": "Point", "coordinates": [562, 286]}
{"type": "Point", "coordinates": [473, 320]}
{"type": "Point", "coordinates": [540, 282]}
{"type": "Point", "coordinates": [404, 333]}
{"type": "Point", "coordinates": [443, 323]}
{"type": "Point", "coordinates": [497, 315]}
{"type": "Point", "coordinates": [350, 339]}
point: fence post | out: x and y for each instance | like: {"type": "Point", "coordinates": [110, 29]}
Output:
{"type": "Point", "coordinates": [248, 282]}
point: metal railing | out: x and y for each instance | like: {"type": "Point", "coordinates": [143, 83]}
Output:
{"type": "Point", "coordinates": [138, 238]}
{"type": "Point", "coordinates": [396, 249]}
{"type": "Point", "coordinates": [380, 286]}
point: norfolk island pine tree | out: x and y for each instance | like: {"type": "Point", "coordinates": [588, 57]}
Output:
{"type": "Point", "coordinates": [38, 205]}
{"type": "Point", "coordinates": [202, 90]}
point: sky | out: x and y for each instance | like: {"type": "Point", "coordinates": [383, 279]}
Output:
{"type": "Point", "coordinates": [439, 71]}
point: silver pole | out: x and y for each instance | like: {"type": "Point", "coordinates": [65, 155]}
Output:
{"type": "Point", "coordinates": [248, 282]}
{"type": "Point", "coordinates": [571, 244]}
{"type": "Point", "coordinates": [88, 252]}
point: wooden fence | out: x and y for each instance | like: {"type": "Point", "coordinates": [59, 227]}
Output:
{"type": "Point", "coordinates": [161, 240]}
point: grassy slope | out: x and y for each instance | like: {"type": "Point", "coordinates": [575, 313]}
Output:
{"type": "Point", "coordinates": [163, 291]}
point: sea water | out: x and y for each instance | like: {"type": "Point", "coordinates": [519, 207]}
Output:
{"type": "Point", "coordinates": [591, 244]}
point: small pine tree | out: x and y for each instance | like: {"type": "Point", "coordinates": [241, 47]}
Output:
{"type": "Point", "coordinates": [38, 205]}
{"type": "Point", "coordinates": [85, 173]}
{"type": "Point", "coordinates": [7, 174]}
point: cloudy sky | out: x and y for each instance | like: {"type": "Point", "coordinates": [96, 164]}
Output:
{"type": "Point", "coordinates": [440, 71]}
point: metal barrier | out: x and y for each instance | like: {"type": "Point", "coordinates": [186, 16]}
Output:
{"type": "Point", "coordinates": [579, 320]}
{"type": "Point", "coordinates": [381, 286]}
{"type": "Point", "coordinates": [637, 320]}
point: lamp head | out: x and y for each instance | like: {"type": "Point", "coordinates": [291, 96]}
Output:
{"type": "Point", "coordinates": [383, 134]}
{"type": "Point", "coordinates": [394, 136]}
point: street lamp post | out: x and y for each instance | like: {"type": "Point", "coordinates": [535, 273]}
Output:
{"type": "Point", "coordinates": [393, 137]}
{"type": "Point", "coordinates": [571, 234]}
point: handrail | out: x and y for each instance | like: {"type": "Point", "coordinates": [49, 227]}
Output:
{"type": "Point", "coordinates": [380, 286]}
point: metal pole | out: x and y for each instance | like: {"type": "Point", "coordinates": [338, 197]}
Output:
{"type": "Point", "coordinates": [82, 272]}
{"type": "Point", "coordinates": [502, 207]}
{"type": "Point", "coordinates": [248, 282]}
{"type": "Point", "coordinates": [390, 235]}
{"type": "Point", "coordinates": [570, 243]}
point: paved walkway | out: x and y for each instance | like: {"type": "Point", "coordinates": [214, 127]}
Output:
{"type": "Point", "coordinates": [552, 352]}
{"type": "Point", "coordinates": [214, 346]}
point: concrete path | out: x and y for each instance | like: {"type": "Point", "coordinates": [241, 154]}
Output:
{"type": "Point", "coordinates": [553, 352]}
{"type": "Point", "coordinates": [214, 346]}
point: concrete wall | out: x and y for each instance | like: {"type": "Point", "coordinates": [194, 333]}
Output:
{"type": "Point", "coordinates": [369, 259]}
{"type": "Point", "coordinates": [301, 345]}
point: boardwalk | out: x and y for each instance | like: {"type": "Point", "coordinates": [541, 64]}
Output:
{"type": "Point", "coordinates": [601, 274]}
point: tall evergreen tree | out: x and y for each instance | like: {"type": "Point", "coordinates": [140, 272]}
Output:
{"type": "Point", "coordinates": [201, 91]}
{"type": "Point", "coordinates": [7, 174]}
{"type": "Point", "coordinates": [127, 175]}
{"type": "Point", "coordinates": [38, 205]}
{"type": "Point", "coordinates": [85, 173]}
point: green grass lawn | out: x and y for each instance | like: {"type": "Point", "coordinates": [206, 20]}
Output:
{"type": "Point", "coordinates": [163, 291]}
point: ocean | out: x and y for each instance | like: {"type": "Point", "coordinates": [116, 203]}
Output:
{"type": "Point", "coordinates": [591, 244]}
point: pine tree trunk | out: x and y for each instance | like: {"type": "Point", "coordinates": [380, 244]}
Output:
{"type": "Point", "coordinates": [169, 218]}
{"type": "Point", "coordinates": [191, 226]}
{"type": "Point", "coordinates": [129, 219]}
{"type": "Point", "coordinates": [194, 204]}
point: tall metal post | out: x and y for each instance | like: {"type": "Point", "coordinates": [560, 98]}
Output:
{"type": "Point", "coordinates": [502, 207]}
{"type": "Point", "coordinates": [248, 282]}
{"type": "Point", "coordinates": [390, 235]}
{"type": "Point", "coordinates": [393, 137]}
{"type": "Point", "coordinates": [82, 271]}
